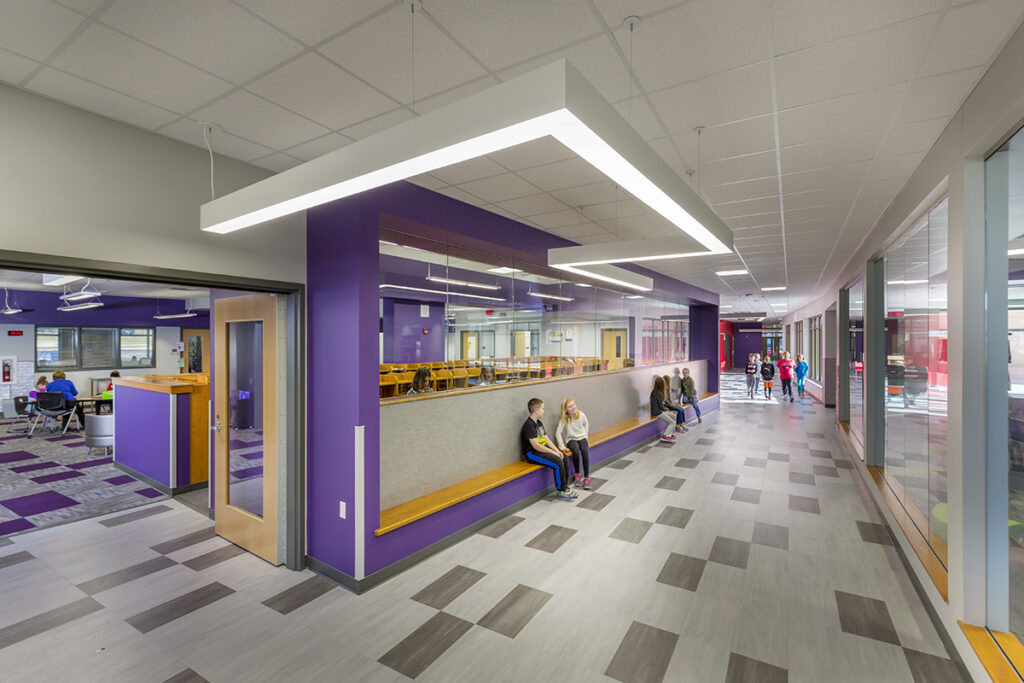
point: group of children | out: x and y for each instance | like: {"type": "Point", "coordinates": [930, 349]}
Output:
{"type": "Point", "coordinates": [570, 451]}
{"type": "Point", "coordinates": [764, 371]}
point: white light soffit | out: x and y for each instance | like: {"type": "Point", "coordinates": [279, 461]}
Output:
{"type": "Point", "coordinates": [553, 100]}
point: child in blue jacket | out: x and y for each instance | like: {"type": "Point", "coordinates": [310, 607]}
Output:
{"type": "Point", "coordinates": [801, 374]}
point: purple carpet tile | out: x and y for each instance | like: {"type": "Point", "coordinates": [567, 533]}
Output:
{"type": "Point", "coordinates": [73, 444]}
{"type": "Point", "coordinates": [149, 493]}
{"type": "Point", "coordinates": [38, 503]}
{"type": "Point", "coordinates": [238, 443]}
{"type": "Point", "coordinates": [117, 481]}
{"type": "Point", "coordinates": [35, 466]}
{"type": "Point", "coordinates": [253, 456]}
{"type": "Point", "coordinates": [66, 437]}
{"type": "Point", "coordinates": [56, 476]}
{"type": "Point", "coordinates": [91, 463]}
{"type": "Point", "coordinates": [13, 436]}
{"type": "Point", "coordinates": [248, 473]}
{"type": "Point", "coordinates": [15, 456]}
{"type": "Point", "coordinates": [14, 526]}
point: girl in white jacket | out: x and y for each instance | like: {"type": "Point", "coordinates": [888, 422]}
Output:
{"type": "Point", "coordinates": [571, 437]}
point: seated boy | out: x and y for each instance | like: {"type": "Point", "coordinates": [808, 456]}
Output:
{"type": "Point", "coordinates": [688, 393]}
{"type": "Point", "coordinates": [536, 448]}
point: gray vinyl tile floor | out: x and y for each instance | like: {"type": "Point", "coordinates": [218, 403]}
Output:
{"type": "Point", "coordinates": [746, 551]}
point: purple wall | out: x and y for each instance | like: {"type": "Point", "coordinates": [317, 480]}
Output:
{"type": "Point", "coordinates": [746, 340]}
{"type": "Point", "coordinates": [404, 337]}
{"type": "Point", "coordinates": [142, 432]}
{"type": "Point", "coordinates": [40, 308]}
{"type": "Point", "coordinates": [704, 340]}
{"type": "Point", "coordinates": [343, 274]}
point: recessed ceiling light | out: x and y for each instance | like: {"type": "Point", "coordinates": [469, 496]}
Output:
{"type": "Point", "coordinates": [726, 273]}
{"type": "Point", "coordinates": [58, 280]}
{"type": "Point", "coordinates": [504, 270]}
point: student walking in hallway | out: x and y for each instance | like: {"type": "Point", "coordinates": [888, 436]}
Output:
{"type": "Point", "coordinates": [786, 366]}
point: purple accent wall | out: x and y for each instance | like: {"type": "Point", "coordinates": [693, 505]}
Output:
{"type": "Point", "coordinates": [404, 339]}
{"type": "Point", "coordinates": [40, 308]}
{"type": "Point", "coordinates": [746, 340]}
{"type": "Point", "coordinates": [704, 340]}
{"type": "Point", "coordinates": [142, 432]}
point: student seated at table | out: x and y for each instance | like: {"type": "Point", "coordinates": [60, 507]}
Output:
{"type": "Point", "coordinates": [65, 386]}
{"type": "Point", "coordinates": [40, 386]}
{"type": "Point", "coordinates": [420, 382]}
{"type": "Point", "coordinates": [487, 377]}
{"type": "Point", "coordinates": [109, 405]}
{"type": "Point", "coordinates": [537, 448]}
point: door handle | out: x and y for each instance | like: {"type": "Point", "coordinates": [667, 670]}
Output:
{"type": "Point", "coordinates": [217, 427]}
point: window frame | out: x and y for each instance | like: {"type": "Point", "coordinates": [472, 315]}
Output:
{"type": "Point", "coordinates": [78, 367]}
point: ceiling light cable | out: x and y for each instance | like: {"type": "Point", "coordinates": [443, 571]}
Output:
{"type": "Point", "coordinates": [699, 130]}
{"type": "Point", "coordinates": [207, 132]}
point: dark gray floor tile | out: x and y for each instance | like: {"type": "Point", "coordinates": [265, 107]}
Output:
{"type": "Point", "coordinates": [745, 495]}
{"type": "Point", "coordinates": [622, 463]}
{"type": "Point", "coordinates": [645, 449]}
{"type": "Point", "coordinates": [419, 649]}
{"type": "Point", "coordinates": [185, 541]}
{"type": "Point", "coordinates": [825, 471]}
{"type": "Point", "coordinates": [818, 453]}
{"type": "Point", "coordinates": [705, 442]}
{"type": "Point", "coordinates": [596, 483]}
{"type": "Point", "coordinates": [5, 541]}
{"type": "Point", "coordinates": [673, 516]}
{"type": "Point", "coordinates": [725, 478]}
{"type": "Point", "coordinates": [123, 576]}
{"type": "Point", "coordinates": [779, 457]}
{"type": "Point", "coordinates": [866, 617]}
{"type": "Point", "coordinates": [714, 457]}
{"type": "Point", "coordinates": [804, 504]}
{"type": "Point", "coordinates": [289, 600]}
{"type": "Point", "coordinates": [41, 623]}
{"type": "Point", "coordinates": [201, 562]}
{"type": "Point", "coordinates": [515, 610]}
{"type": "Point", "coordinates": [799, 444]}
{"type": "Point", "coordinates": [844, 464]}
{"type": "Point", "coordinates": [643, 655]}
{"type": "Point", "coordinates": [689, 463]}
{"type": "Point", "coordinates": [186, 676]}
{"type": "Point", "coordinates": [801, 478]}
{"type": "Point", "coordinates": [730, 551]}
{"type": "Point", "coordinates": [595, 501]}
{"type": "Point", "coordinates": [454, 583]}
{"type": "Point", "coordinates": [682, 571]}
{"type": "Point", "coordinates": [873, 533]}
{"type": "Point", "coordinates": [133, 516]}
{"type": "Point", "coordinates": [551, 539]}
{"type": "Point", "coordinates": [926, 668]}
{"type": "Point", "coordinates": [756, 462]}
{"type": "Point", "coordinates": [670, 483]}
{"type": "Point", "coordinates": [771, 535]}
{"type": "Point", "coordinates": [166, 612]}
{"type": "Point", "coordinates": [746, 670]}
{"type": "Point", "coordinates": [15, 558]}
{"type": "Point", "coordinates": [631, 530]}
{"type": "Point", "coordinates": [497, 529]}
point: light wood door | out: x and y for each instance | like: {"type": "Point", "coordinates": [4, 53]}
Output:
{"type": "Point", "coordinates": [470, 346]}
{"type": "Point", "coordinates": [246, 413]}
{"type": "Point", "coordinates": [613, 348]}
{"type": "Point", "coordinates": [521, 344]}
{"type": "Point", "coordinates": [197, 349]}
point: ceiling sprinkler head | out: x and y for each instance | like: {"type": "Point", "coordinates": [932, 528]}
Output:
{"type": "Point", "coordinates": [699, 129]}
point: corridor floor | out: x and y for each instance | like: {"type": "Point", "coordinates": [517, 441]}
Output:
{"type": "Point", "coordinates": [747, 551]}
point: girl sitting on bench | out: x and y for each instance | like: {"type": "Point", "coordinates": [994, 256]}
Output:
{"type": "Point", "coordinates": [571, 437]}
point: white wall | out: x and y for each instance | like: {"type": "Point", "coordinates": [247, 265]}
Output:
{"type": "Point", "coordinates": [76, 184]}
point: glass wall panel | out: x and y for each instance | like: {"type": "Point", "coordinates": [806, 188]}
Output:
{"type": "Point", "coordinates": [1004, 179]}
{"type": "Point", "coordinates": [856, 370]}
{"type": "Point", "coordinates": [915, 374]}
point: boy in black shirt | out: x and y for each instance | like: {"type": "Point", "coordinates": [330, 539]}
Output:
{"type": "Point", "coordinates": [536, 448]}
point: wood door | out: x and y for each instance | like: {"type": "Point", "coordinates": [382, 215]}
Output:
{"type": "Point", "coordinates": [197, 349]}
{"type": "Point", "coordinates": [613, 348]}
{"type": "Point", "coordinates": [470, 346]}
{"type": "Point", "coordinates": [247, 359]}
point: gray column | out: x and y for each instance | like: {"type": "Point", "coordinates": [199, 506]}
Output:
{"type": "Point", "coordinates": [843, 355]}
{"type": "Point", "coordinates": [828, 322]}
{"type": "Point", "coordinates": [874, 364]}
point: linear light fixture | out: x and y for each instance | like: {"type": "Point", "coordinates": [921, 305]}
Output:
{"type": "Point", "coordinates": [84, 293]}
{"type": "Point", "coordinates": [1015, 252]}
{"type": "Point", "coordinates": [441, 291]}
{"type": "Point", "coordinates": [8, 309]}
{"type": "Point", "coordinates": [171, 316]}
{"type": "Point", "coordinates": [462, 283]}
{"type": "Point", "coordinates": [554, 100]}
{"type": "Point", "coordinates": [773, 289]}
{"type": "Point", "coordinates": [726, 273]}
{"type": "Point", "coordinates": [613, 275]}
{"type": "Point", "coordinates": [67, 307]}
{"type": "Point", "coordinates": [59, 280]}
{"type": "Point", "coordinates": [556, 297]}
{"type": "Point", "coordinates": [907, 282]}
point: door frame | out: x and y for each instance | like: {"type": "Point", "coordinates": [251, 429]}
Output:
{"type": "Point", "coordinates": [295, 327]}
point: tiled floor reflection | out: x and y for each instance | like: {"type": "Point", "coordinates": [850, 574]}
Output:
{"type": "Point", "coordinates": [751, 556]}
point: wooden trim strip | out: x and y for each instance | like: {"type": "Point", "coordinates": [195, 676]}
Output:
{"type": "Point", "coordinates": [1012, 649]}
{"type": "Point", "coordinates": [992, 656]}
{"type": "Point", "coordinates": [938, 573]}
{"type": "Point", "coordinates": [418, 508]}
{"type": "Point", "coordinates": [158, 385]}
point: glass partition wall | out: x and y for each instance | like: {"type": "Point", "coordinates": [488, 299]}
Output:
{"type": "Point", "coordinates": [855, 340]}
{"type": "Point", "coordinates": [473, 319]}
{"type": "Point", "coordinates": [915, 375]}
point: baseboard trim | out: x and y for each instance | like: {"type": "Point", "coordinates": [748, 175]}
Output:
{"type": "Point", "coordinates": [162, 488]}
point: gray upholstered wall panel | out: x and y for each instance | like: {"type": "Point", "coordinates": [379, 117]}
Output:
{"type": "Point", "coordinates": [434, 442]}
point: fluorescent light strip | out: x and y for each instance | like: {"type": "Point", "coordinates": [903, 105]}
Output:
{"type": "Point", "coordinates": [441, 291]}
{"type": "Point", "coordinates": [58, 280]}
{"type": "Point", "coordinates": [773, 289]}
{"type": "Point", "coordinates": [67, 308]}
{"type": "Point", "coordinates": [724, 273]}
{"type": "Point", "coordinates": [1015, 252]}
{"type": "Point", "coordinates": [907, 282]}
{"type": "Point", "coordinates": [550, 296]}
{"type": "Point", "coordinates": [461, 283]}
{"type": "Point", "coordinates": [171, 316]}
{"type": "Point", "coordinates": [604, 278]}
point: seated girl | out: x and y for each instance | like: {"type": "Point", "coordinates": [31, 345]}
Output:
{"type": "Point", "coordinates": [675, 407]}
{"type": "Point", "coordinates": [661, 411]}
{"type": "Point", "coordinates": [420, 381]}
{"type": "Point", "coordinates": [571, 437]}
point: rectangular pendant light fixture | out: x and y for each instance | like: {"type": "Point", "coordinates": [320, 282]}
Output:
{"type": "Point", "coordinates": [441, 291]}
{"type": "Point", "coordinates": [462, 283]}
{"type": "Point", "coordinates": [542, 295]}
{"type": "Point", "coordinates": [68, 307]}
{"type": "Point", "coordinates": [554, 100]}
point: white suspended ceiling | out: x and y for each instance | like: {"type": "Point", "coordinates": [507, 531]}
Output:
{"type": "Point", "coordinates": [816, 111]}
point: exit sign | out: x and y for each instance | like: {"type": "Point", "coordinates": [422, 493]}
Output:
{"type": "Point", "coordinates": [15, 333]}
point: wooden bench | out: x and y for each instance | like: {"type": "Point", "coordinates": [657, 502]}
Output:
{"type": "Point", "coordinates": [418, 508]}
